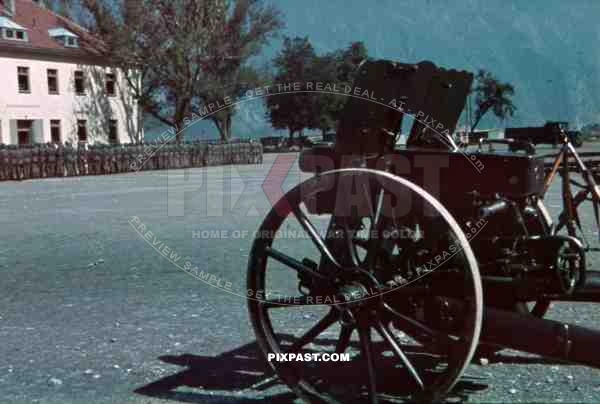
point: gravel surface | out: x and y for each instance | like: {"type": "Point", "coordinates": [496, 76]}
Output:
{"type": "Point", "coordinates": [90, 312]}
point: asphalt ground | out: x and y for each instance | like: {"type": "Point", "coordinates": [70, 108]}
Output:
{"type": "Point", "coordinates": [91, 312]}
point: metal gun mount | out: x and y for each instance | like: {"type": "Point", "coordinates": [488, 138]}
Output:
{"type": "Point", "coordinates": [478, 246]}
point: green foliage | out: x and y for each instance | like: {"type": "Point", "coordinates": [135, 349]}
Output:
{"type": "Point", "coordinates": [297, 62]}
{"type": "Point", "coordinates": [181, 55]}
{"type": "Point", "coordinates": [337, 67]}
{"type": "Point", "coordinates": [294, 111]}
{"type": "Point", "coordinates": [491, 94]}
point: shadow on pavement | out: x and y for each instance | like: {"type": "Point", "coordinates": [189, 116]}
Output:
{"type": "Point", "coordinates": [242, 376]}
{"type": "Point", "coordinates": [241, 371]}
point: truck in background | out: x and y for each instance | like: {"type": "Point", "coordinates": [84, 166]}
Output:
{"type": "Point", "coordinates": [550, 133]}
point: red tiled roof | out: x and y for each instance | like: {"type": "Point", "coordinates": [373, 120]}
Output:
{"type": "Point", "coordinates": [38, 20]}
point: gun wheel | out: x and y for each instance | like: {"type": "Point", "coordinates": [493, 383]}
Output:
{"type": "Point", "coordinates": [331, 274]}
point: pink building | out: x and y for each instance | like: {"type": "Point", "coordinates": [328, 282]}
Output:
{"type": "Point", "coordinates": [55, 85]}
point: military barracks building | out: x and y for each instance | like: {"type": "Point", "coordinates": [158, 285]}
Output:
{"type": "Point", "coordinates": [55, 85]}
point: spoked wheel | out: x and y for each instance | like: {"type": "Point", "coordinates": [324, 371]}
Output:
{"type": "Point", "coordinates": [366, 264]}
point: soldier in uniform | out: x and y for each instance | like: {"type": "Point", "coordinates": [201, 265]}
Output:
{"type": "Point", "coordinates": [187, 155]}
{"type": "Point", "coordinates": [94, 160]}
{"type": "Point", "coordinates": [67, 158]}
{"type": "Point", "coordinates": [126, 158]}
{"type": "Point", "coordinates": [17, 163]}
{"type": "Point", "coordinates": [43, 160]}
{"type": "Point", "coordinates": [166, 156]}
{"type": "Point", "coordinates": [160, 155]}
{"type": "Point", "coordinates": [12, 155]}
{"type": "Point", "coordinates": [22, 155]}
{"type": "Point", "coordinates": [170, 155]}
{"type": "Point", "coordinates": [183, 151]}
{"type": "Point", "coordinates": [35, 161]}
{"type": "Point", "coordinates": [71, 159]}
{"type": "Point", "coordinates": [105, 158]}
{"type": "Point", "coordinates": [113, 153]}
{"type": "Point", "coordinates": [172, 158]}
{"type": "Point", "coordinates": [60, 161]}
{"type": "Point", "coordinates": [157, 157]}
{"type": "Point", "coordinates": [89, 162]}
{"type": "Point", "coordinates": [82, 166]}
{"type": "Point", "coordinates": [177, 153]}
{"type": "Point", "coordinates": [122, 159]}
{"type": "Point", "coordinates": [51, 170]}
{"type": "Point", "coordinates": [27, 154]}
{"type": "Point", "coordinates": [146, 157]}
{"type": "Point", "coordinates": [140, 152]}
{"type": "Point", "coordinates": [114, 158]}
{"type": "Point", "coordinates": [130, 158]}
{"type": "Point", "coordinates": [3, 163]}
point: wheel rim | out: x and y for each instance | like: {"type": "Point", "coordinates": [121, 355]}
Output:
{"type": "Point", "coordinates": [377, 311]}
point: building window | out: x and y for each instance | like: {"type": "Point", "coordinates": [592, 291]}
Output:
{"type": "Point", "coordinates": [79, 83]}
{"type": "Point", "coordinates": [55, 131]}
{"type": "Point", "coordinates": [71, 42]}
{"type": "Point", "coordinates": [23, 73]}
{"type": "Point", "coordinates": [13, 34]}
{"type": "Point", "coordinates": [112, 132]}
{"type": "Point", "coordinates": [82, 130]}
{"type": "Point", "coordinates": [24, 131]}
{"type": "Point", "coordinates": [110, 84]}
{"type": "Point", "coordinates": [52, 81]}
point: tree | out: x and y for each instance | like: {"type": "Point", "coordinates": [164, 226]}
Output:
{"type": "Point", "coordinates": [337, 67]}
{"type": "Point", "coordinates": [293, 111]}
{"type": "Point", "coordinates": [60, 7]}
{"type": "Point", "coordinates": [491, 94]}
{"type": "Point", "coordinates": [298, 63]}
{"type": "Point", "coordinates": [249, 26]}
{"type": "Point", "coordinates": [178, 54]}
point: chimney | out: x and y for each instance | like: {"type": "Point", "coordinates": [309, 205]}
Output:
{"type": "Point", "coordinates": [9, 7]}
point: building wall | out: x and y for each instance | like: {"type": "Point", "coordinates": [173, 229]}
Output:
{"type": "Point", "coordinates": [95, 106]}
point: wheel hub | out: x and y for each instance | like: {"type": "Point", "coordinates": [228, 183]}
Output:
{"type": "Point", "coordinates": [357, 287]}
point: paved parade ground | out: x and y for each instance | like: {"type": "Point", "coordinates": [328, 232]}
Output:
{"type": "Point", "coordinates": [93, 312]}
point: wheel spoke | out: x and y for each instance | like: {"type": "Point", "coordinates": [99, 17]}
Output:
{"type": "Point", "coordinates": [350, 244]}
{"type": "Point", "coordinates": [379, 206]}
{"type": "Point", "coordinates": [369, 202]}
{"type": "Point", "coordinates": [314, 235]}
{"type": "Point", "coordinates": [375, 238]}
{"type": "Point", "coordinates": [344, 339]}
{"type": "Point", "coordinates": [416, 329]}
{"type": "Point", "coordinates": [314, 332]}
{"type": "Point", "coordinates": [364, 332]}
{"type": "Point", "coordinates": [389, 337]}
{"type": "Point", "coordinates": [293, 263]}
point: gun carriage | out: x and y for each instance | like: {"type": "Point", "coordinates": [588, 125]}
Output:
{"type": "Point", "coordinates": [426, 253]}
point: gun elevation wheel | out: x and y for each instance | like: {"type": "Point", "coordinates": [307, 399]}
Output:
{"type": "Point", "coordinates": [365, 264]}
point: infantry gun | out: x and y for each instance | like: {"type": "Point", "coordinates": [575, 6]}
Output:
{"type": "Point", "coordinates": [429, 255]}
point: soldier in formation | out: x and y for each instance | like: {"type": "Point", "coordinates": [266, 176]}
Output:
{"type": "Point", "coordinates": [57, 160]}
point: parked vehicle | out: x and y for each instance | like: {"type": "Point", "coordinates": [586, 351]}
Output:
{"type": "Point", "coordinates": [550, 133]}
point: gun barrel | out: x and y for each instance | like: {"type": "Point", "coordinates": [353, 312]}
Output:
{"type": "Point", "coordinates": [548, 338]}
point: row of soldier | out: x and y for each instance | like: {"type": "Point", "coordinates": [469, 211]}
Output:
{"type": "Point", "coordinates": [56, 160]}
